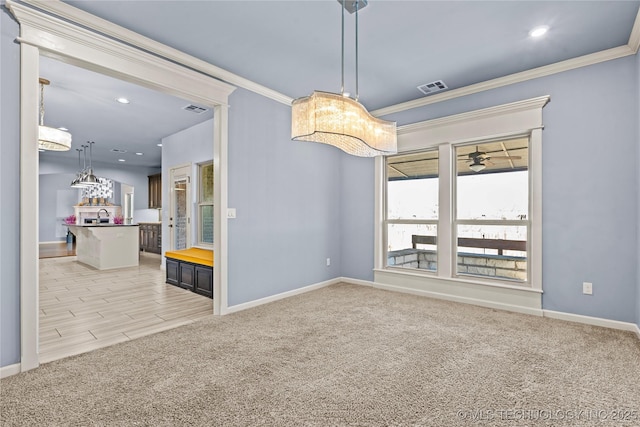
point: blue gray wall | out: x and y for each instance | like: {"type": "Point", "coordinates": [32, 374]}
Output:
{"type": "Point", "coordinates": [55, 202]}
{"type": "Point", "coordinates": [299, 203]}
{"type": "Point", "coordinates": [56, 174]}
{"type": "Point", "coordinates": [357, 226]}
{"type": "Point", "coordinates": [9, 192]}
{"type": "Point", "coordinates": [287, 195]}
{"type": "Point", "coordinates": [590, 183]}
{"type": "Point", "coordinates": [193, 145]}
{"type": "Point", "coordinates": [637, 72]}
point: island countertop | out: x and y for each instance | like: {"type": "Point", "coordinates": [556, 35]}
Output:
{"type": "Point", "coordinates": [104, 224]}
{"type": "Point", "coordinates": [107, 245]}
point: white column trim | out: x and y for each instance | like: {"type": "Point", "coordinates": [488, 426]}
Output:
{"type": "Point", "coordinates": [535, 200]}
{"type": "Point", "coordinates": [380, 232]}
{"type": "Point", "coordinates": [29, 164]}
{"type": "Point", "coordinates": [220, 245]}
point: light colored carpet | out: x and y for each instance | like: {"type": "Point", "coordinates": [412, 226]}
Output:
{"type": "Point", "coordinates": [344, 355]}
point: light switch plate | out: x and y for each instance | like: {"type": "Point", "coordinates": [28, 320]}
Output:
{"type": "Point", "coordinates": [231, 212]}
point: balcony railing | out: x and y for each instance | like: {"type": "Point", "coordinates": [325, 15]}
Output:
{"type": "Point", "coordinates": [465, 242]}
{"type": "Point", "coordinates": [497, 266]}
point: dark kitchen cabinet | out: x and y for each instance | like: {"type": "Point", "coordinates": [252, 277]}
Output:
{"type": "Point", "coordinates": [194, 277]}
{"type": "Point", "coordinates": [151, 237]}
{"type": "Point", "coordinates": [155, 191]}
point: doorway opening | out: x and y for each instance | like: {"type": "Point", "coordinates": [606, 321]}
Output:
{"type": "Point", "coordinates": [80, 45]}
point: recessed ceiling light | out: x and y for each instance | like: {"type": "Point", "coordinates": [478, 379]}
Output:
{"type": "Point", "coordinates": [123, 100]}
{"type": "Point", "coordinates": [159, 145]}
{"type": "Point", "coordinates": [121, 160]}
{"type": "Point", "coordinates": [539, 31]}
{"type": "Point", "coordinates": [139, 154]}
{"type": "Point", "coordinates": [63, 129]}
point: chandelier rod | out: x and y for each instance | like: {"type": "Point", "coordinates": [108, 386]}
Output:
{"type": "Point", "coordinates": [357, 8]}
{"type": "Point", "coordinates": [342, 63]}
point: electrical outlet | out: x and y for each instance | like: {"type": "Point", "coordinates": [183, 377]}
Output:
{"type": "Point", "coordinates": [328, 262]}
{"type": "Point", "coordinates": [587, 288]}
{"type": "Point", "coordinates": [231, 212]}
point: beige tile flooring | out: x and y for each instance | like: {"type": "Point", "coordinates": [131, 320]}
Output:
{"type": "Point", "coordinates": [82, 309]}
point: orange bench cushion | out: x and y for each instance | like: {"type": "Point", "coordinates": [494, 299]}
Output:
{"type": "Point", "coordinates": [192, 255]}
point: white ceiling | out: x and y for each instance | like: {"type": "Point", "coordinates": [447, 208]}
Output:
{"type": "Point", "coordinates": [294, 47]}
{"type": "Point", "coordinates": [85, 103]}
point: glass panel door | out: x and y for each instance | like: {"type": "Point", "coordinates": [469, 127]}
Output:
{"type": "Point", "coordinates": [180, 216]}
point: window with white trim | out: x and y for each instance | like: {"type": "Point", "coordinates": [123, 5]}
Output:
{"type": "Point", "coordinates": [490, 199]}
{"type": "Point", "coordinates": [462, 199]}
{"type": "Point", "coordinates": [412, 210]}
{"type": "Point", "coordinates": [205, 204]}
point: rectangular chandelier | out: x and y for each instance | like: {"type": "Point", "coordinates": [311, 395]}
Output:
{"type": "Point", "coordinates": [338, 120]}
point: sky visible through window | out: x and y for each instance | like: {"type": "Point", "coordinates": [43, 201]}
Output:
{"type": "Point", "coordinates": [495, 196]}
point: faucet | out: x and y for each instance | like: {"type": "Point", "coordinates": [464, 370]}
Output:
{"type": "Point", "coordinates": [105, 211]}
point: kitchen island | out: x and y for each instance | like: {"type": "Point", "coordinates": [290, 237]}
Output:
{"type": "Point", "coordinates": [107, 246]}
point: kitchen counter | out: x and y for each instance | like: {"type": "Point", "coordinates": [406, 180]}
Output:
{"type": "Point", "coordinates": [106, 246]}
{"type": "Point", "coordinates": [103, 225]}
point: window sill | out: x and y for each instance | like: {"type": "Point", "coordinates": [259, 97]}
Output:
{"type": "Point", "coordinates": [203, 246]}
{"type": "Point", "coordinates": [467, 281]}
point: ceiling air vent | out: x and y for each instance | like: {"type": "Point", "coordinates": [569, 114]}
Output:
{"type": "Point", "coordinates": [117, 150]}
{"type": "Point", "coordinates": [195, 109]}
{"type": "Point", "coordinates": [432, 87]}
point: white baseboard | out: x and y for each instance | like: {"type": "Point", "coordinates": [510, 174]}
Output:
{"type": "Point", "coordinates": [272, 298]}
{"type": "Point", "coordinates": [7, 371]}
{"type": "Point", "coordinates": [595, 321]}
{"type": "Point", "coordinates": [446, 297]}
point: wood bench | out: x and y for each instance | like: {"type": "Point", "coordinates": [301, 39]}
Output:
{"type": "Point", "coordinates": [191, 269]}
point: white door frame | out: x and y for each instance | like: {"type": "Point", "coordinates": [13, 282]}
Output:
{"type": "Point", "coordinates": [127, 202]}
{"type": "Point", "coordinates": [43, 34]}
{"type": "Point", "coordinates": [182, 170]}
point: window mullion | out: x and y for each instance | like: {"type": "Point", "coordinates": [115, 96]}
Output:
{"type": "Point", "coordinates": [446, 234]}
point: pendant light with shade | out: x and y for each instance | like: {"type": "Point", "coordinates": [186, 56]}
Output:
{"type": "Point", "coordinates": [337, 119]}
{"type": "Point", "coordinates": [85, 177]}
{"type": "Point", "coordinates": [76, 181]}
{"type": "Point", "coordinates": [89, 178]}
{"type": "Point", "coordinates": [49, 138]}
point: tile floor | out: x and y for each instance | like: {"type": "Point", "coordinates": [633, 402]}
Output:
{"type": "Point", "coordinates": [82, 309]}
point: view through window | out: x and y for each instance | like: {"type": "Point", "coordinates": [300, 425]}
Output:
{"type": "Point", "coordinates": [205, 205]}
{"type": "Point", "coordinates": [490, 198]}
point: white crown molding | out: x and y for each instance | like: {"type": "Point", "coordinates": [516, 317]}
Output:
{"type": "Point", "coordinates": [88, 20]}
{"type": "Point", "coordinates": [547, 70]}
{"type": "Point", "coordinates": [56, 37]}
{"type": "Point", "coordinates": [514, 107]}
{"type": "Point", "coordinates": [634, 38]}
{"type": "Point", "coordinates": [134, 39]}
